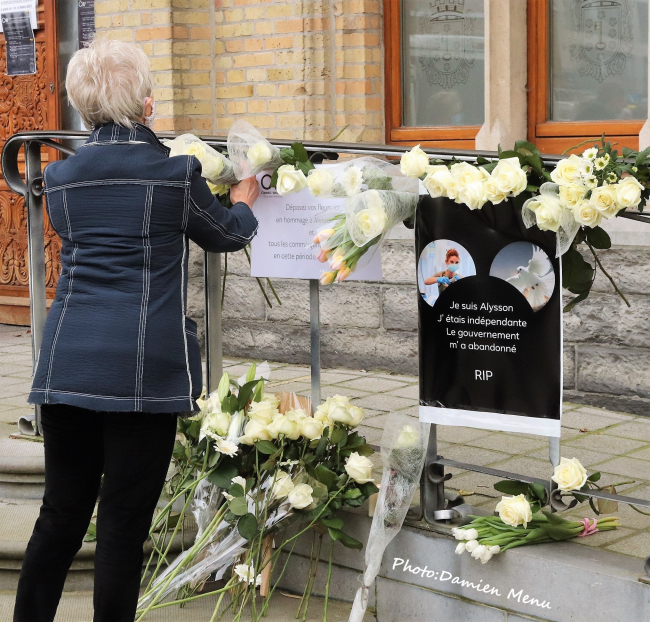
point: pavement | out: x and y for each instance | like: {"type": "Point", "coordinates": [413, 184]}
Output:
{"type": "Point", "coordinates": [616, 444]}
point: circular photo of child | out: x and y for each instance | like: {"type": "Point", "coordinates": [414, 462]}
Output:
{"type": "Point", "coordinates": [442, 263]}
{"type": "Point", "coordinates": [527, 268]}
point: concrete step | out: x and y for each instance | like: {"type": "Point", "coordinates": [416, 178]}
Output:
{"type": "Point", "coordinates": [22, 469]}
{"type": "Point", "coordinates": [77, 607]}
{"type": "Point", "coordinates": [17, 520]}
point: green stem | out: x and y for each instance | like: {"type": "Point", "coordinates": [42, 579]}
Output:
{"type": "Point", "coordinates": [329, 577]}
{"type": "Point", "coordinates": [611, 280]}
{"type": "Point", "coordinates": [183, 600]}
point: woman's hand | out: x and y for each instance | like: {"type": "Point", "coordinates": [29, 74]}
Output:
{"type": "Point", "coordinates": [245, 191]}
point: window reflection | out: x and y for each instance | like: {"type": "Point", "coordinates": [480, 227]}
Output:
{"type": "Point", "coordinates": [442, 62]}
{"type": "Point", "coordinates": [599, 60]}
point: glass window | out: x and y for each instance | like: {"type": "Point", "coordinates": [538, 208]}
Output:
{"type": "Point", "coordinates": [442, 62]}
{"type": "Point", "coordinates": [599, 60]}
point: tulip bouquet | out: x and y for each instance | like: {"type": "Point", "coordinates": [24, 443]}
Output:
{"type": "Point", "coordinates": [251, 466]}
{"type": "Point", "coordinates": [521, 519]}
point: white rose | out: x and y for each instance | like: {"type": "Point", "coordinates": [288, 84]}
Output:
{"type": "Point", "coordinates": [259, 154]}
{"type": "Point", "coordinates": [212, 404]}
{"type": "Point", "coordinates": [272, 399]}
{"type": "Point", "coordinates": [219, 189]}
{"type": "Point", "coordinates": [569, 475]}
{"type": "Point", "coordinates": [255, 431]}
{"type": "Point", "coordinates": [514, 511]}
{"type": "Point", "coordinates": [320, 182]}
{"type": "Point", "coordinates": [408, 438]}
{"type": "Point", "coordinates": [263, 411]}
{"type": "Point", "coordinates": [216, 423]}
{"type": "Point", "coordinates": [282, 485]}
{"type": "Point", "coordinates": [211, 166]}
{"type": "Point", "coordinates": [548, 211]}
{"type": "Point", "coordinates": [474, 194]}
{"type": "Point", "coordinates": [356, 415]}
{"type": "Point", "coordinates": [373, 219]}
{"type": "Point", "coordinates": [494, 195]}
{"type": "Point", "coordinates": [572, 195]}
{"type": "Point", "coordinates": [300, 496]}
{"type": "Point", "coordinates": [338, 410]}
{"type": "Point", "coordinates": [290, 179]}
{"type": "Point", "coordinates": [283, 425]}
{"type": "Point", "coordinates": [433, 183]}
{"type": "Point", "coordinates": [352, 180]}
{"type": "Point", "coordinates": [414, 163]}
{"type": "Point", "coordinates": [603, 199]}
{"type": "Point", "coordinates": [586, 214]}
{"type": "Point", "coordinates": [296, 415]}
{"type": "Point", "coordinates": [628, 192]}
{"type": "Point", "coordinates": [464, 174]}
{"type": "Point", "coordinates": [567, 171]}
{"type": "Point", "coordinates": [359, 468]}
{"type": "Point", "coordinates": [509, 177]}
{"type": "Point", "coordinates": [311, 428]}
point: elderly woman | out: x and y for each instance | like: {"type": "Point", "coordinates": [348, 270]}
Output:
{"type": "Point", "coordinates": [120, 360]}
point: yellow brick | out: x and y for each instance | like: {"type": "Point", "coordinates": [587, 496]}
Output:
{"type": "Point", "coordinates": [161, 17]}
{"type": "Point", "coordinates": [253, 60]}
{"type": "Point", "coordinates": [164, 79]}
{"type": "Point", "coordinates": [220, 108]}
{"type": "Point", "coordinates": [218, 47]}
{"type": "Point", "coordinates": [163, 48]}
{"type": "Point", "coordinates": [253, 45]}
{"type": "Point", "coordinates": [180, 32]}
{"type": "Point", "coordinates": [120, 35]}
{"type": "Point", "coordinates": [223, 62]}
{"type": "Point", "coordinates": [282, 10]}
{"type": "Point", "coordinates": [263, 122]}
{"type": "Point", "coordinates": [160, 64]}
{"type": "Point", "coordinates": [139, 5]}
{"type": "Point", "coordinates": [278, 43]}
{"type": "Point", "coordinates": [257, 106]}
{"type": "Point", "coordinates": [256, 75]}
{"type": "Point", "coordinates": [235, 76]}
{"type": "Point", "coordinates": [199, 48]}
{"type": "Point", "coordinates": [190, 4]}
{"type": "Point", "coordinates": [237, 15]}
{"type": "Point", "coordinates": [198, 32]}
{"type": "Point", "coordinates": [266, 90]}
{"type": "Point", "coordinates": [234, 30]}
{"type": "Point", "coordinates": [284, 134]}
{"type": "Point", "coordinates": [236, 107]}
{"type": "Point", "coordinates": [197, 108]}
{"type": "Point", "coordinates": [225, 124]}
{"type": "Point", "coordinates": [102, 22]}
{"type": "Point", "coordinates": [264, 28]}
{"type": "Point", "coordinates": [202, 64]}
{"type": "Point", "coordinates": [289, 25]}
{"type": "Point", "coordinates": [164, 125]}
{"type": "Point", "coordinates": [191, 17]}
{"type": "Point", "coordinates": [195, 78]}
{"type": "Point", "coordinates": [229, 92]}
{"type": "Point", "coordinates": [112, 6]}
{"type": "Point", "coordinates": [117, 21]}
{"type": "Point", "coordinates": [275, 75]}
{"type": "Point", "coordinates": [147, 48]}
{"type": "Point", "coordinates": [255, 13]}
{"type": "Point", "coordinates": [130, 19]}
{"type": "Point", "coordinates": [220, 77]}
{"type": "Point", "coordinates": [234, 46]}
{"type": "Point", "coordinates": [282, 105]}
{"type": "Point", "coordinates": [180, 63]}
{"type": "Point", "coordinates": [145, 18]}
{"type": "Point", "coordinates": [204, 125]}
{"type": "Point", "coordinates": [182, 124]}
{"type": "Point", "coordinates": [202, 93]}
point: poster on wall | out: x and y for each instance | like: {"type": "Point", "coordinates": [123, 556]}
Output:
{"type": "Point", "coordinates": [19, 6]}
{"type": "Point", "coordinates": [490, 319]}
{"type": "Point", "coordinates": [21, 49]}
{"type": "Point", "coordinates": [284, 245]}
{"type": "Point", "coordinates": [86, 22]}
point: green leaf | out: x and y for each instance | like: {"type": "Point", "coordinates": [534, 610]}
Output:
{"type": "Point", "coordinates": [91, 533]}
{"type": "Point", "coordinates": [338, 434]}
{"type": "Point", "coordinates": [266, 447]}
{"type": "Point", "coordinates": [224, 386]}
{"type": "Point", "coordinates": [288, 156]}
{"type": "Point", "coordinates": [223, 474]}
{"type": "Point", "coordinates": [258, 393]}
{"type": "Point", "coordinates": [230, 404]}
{"type": "Point", "coordinates": [365, 450]}
{"type": "Point", "coordinates": [236, 490]}
{"type": "Point", "coordinates": [322, 445]}
{"type": "Point", "coordinates": [247, 526]}
{"type": "Point", "coordinates": [214, 459]}
{"type": "Point", "coordinates": [245, 394]}
{"type": "Point", "coordinates": [334, 523]}
{"type": "Point", "coordinates": [352, 493]}
{"type": "Point", "coordinates": [305, 167]}
{"type": "Point", "coordinates": [179, 454]}
{"type": "Point", "coordinates": [269, 465]}
{"type": "Point", "coordinates": [300, 152]}
{"type": "Point", "coordinates": [577, 274]}
{"type": "Point", "coordinates": [368, 489]}
{"type": "Point", "coordinates": [511, 487]}
{"type": "Point", "coordinates": [338, 536]}
{"type": "Point", "coordinates": [354, 440]}
{"type": "Point", "coordinates": [594, 477]}
{"type": "Point", "coordinates": [325, 476]}
{"type": "Point", "coordinates": [539, 491]}
{"type": "Point", "coordinates": [238, 506]}
{"type": "Point", "coordinates": [599, 238]}
{"type": "Point", "coordinates": [274, 179]}
{"type": "Point", "coordinates": [575, 301]}
{"type": "Point", "coordinates": [250, 374]}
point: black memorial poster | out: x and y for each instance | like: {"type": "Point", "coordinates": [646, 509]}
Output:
{"type": "Point", "coordinates": [490, 318]}
{"type": "Point", "coordinates": [86, 22]}
{"type": "Point", "coordinates": [21, 50]}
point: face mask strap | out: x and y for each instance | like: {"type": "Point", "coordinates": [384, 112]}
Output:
{"type": "Point", "coordinates": [148, 121]}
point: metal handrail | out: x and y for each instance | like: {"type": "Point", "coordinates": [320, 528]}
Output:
{"type": "Point", "coordinates": [433, 477]}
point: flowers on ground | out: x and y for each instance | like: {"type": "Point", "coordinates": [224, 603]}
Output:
{"type": "Point", "coordinates": [569, 475]}
{"type": "Point", "coordinates": [514, 511]}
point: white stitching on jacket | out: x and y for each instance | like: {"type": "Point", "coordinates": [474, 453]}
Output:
{"type": "Point", "coordinates": [187, 358]}
{"type": "Point", "coordinates": [117, 182]}
{"type": "Point", "coordinates": [111, 397]}
{"type": "Point", "coordinates": [232, 236]}
{"type": "Point", "coordinates": [146, 280]}
{"type": "Point", "coordinates": [188, 196]}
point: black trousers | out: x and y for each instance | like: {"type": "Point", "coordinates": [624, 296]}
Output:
{"type": "Point", "coordinates": [132, 451]}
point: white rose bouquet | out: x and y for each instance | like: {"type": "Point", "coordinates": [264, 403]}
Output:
{"type": "Point", "coordinates": [252, 464]}
{"type": "Point", "coordinates": [249, 151]}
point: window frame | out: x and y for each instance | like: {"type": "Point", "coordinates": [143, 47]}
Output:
{"type": "Point", "coordinates": [558, 136]}
{"type": "Point", "coordinates": [454, 137]}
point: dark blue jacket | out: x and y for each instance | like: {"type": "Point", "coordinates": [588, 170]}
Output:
{"type": "Point", "coordinates": [117, 337]}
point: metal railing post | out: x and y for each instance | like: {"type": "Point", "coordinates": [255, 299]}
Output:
{"type": "Point", "coordinates": [314, 320]}
{"type": "Point", "coordinates": [35, 253]}
{"type": "Point", "coordinates": [213, 326]}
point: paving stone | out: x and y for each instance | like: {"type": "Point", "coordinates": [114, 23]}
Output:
{"type": "Point", "coordinates": [606, 444]}
{"type": "Point", "coordinates": [376, 385]}
{"type": "Point", "coordinates": [292, 386]}
{"type": "Point", "coordinates": [638, 469]}
{"type": "Point", "coordinates": [382, 402]}
{"type": "Point", "coordinates": [336, 389]}
{"type": "Point", "coordinates": [586, 457]}
{"type": "Point", "coordinates": [411, 392]}
{"type": "Point", "coordinates": [17, 401]}
{"type": "Point", "coordinates": [629, 518]}
{"type": "Point", "coordinates": [289, 373]}
{"type": "Point", "coordinates": [579, 419]}
{"type": "Point", "coordinates": [473, 455]}
{"type": "Point", "coordinates": [526, 466]}
{"type": "Point", "coordinates": [636, 430]}
{"type": "Point", "coordinates": [636, 546]}
{"type": "Point", "coordinates": [512, 443]}
{"type": "Point", "coordinates": [607, 539]}
{"type": "Point", "coordinates": [335, 377]}
{"type": "Point", "coordinates": [459, 434]}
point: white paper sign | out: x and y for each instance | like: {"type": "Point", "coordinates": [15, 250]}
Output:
{"type": "Point", "coordinates": [284, 245]}
{"type": "Point", "coordinates": [18, 6]}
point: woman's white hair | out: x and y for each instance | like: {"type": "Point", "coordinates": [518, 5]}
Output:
{"type": "Point", "coordinates": [109, 81]}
